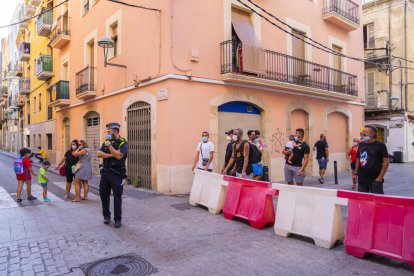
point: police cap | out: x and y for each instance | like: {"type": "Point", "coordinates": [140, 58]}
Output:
{"type": "Point", "coordinates": [113, 126]}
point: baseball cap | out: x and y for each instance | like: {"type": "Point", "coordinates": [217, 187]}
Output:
{"type": "Point", "coordinates": [229, 131]}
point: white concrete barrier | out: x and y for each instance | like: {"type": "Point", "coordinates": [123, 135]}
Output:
{"type": "Point", "coordinates": [309, 212]}
{"type": "Point", "coordinates": [209, 189]}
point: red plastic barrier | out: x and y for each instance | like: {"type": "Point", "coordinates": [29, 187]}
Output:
{"type": "Point", "coordinates": [381, 225]}
{"type": "Point", "coordinates": [250, 200]}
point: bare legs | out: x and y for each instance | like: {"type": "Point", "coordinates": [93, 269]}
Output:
{"type": "Point", "coordinates": [85, 189]}
{"type": "Point", "coordinates": [77, 190]}
{"type": "Point", "coordinates": [19, 189]}
{"type": "Point", "coordinates": [68, 187]}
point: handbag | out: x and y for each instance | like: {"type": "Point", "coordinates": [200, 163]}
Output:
{"type": "Point", "coordinates": [62, 171]}
{"type": "Point", "coordinates": [76, 168]}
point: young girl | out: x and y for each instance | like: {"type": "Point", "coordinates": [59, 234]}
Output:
{"type": "Point", "coordinates": [25, 175]}
{"type": "Point", "coordinates": [43, 179]}
{"type": "Point", "coordinates": [352, 157]}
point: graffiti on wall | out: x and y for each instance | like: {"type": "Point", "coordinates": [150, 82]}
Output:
{"type": "Point", "coordinates": [277, 141]}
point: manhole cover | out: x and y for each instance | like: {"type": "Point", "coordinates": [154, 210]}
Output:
{"type": "Point", "coordinates": [182, 206]}
{"type": "Point", "coordinates": [124, 265]}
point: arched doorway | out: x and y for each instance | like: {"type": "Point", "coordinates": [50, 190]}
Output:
{"type": "Point", "coordinates": [66, 134]}
{"type": "Point", "coordinates": [93, 137]}
{"type": "Point", "coordinates": [338, 140]}
{"type": "Point", "coordinates": [139, 144]}
{"type": "Point", "coordinates": [299, 118]}
{"type": "Point", "coordinates": [232, 115]}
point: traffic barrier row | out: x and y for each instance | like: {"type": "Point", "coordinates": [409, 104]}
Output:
{"type": "Point", "coordinates": [377, 224]}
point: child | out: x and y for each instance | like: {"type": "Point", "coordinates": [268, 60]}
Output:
{"type": "Point", "coordinates": [43, 179]}
{"type": "Point", "coordinates": [290, 145]}
{"type": "Point", "coordinates": [24, 172]}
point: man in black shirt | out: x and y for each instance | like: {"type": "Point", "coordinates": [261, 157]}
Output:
{"type": "Point", "coordinates": [322, 155]}
{"type": "Point", "coordinates": [229, 150]}
{"type": "Point", "coordinates": [295, 172]}
{"type": "Point", "coordinates": [372, 162]}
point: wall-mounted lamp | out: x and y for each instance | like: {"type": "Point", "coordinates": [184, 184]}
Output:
{"type": "Point", "coordinates": [106, 43]}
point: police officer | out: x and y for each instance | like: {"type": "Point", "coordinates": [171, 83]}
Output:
{"type": "Point", "coordinates": [114, 152]}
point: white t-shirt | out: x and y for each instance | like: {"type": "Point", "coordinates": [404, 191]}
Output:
{"type": "Point", "coordinates": [206, 149]}
{"type": "Point", "coordinates": [289, 145]}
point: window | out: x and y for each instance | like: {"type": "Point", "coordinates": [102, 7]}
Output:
{"type": "Point", "coordinates": [65, 70]}
{"type": "Point", "coordinates": [337, 64]}
{"type": "Point", "coordinates": [371, 99]}
{"type": "Point", "coordinates": [40, 140]}
{"type": "Point", "coordinates": [34, 105]}
{"type": "Point", "coordinates": [93, 121]}
{"type": "Point", "coordinates": [85, 6]}
{"type": "Point", "coordinates": [49, 141]}
{"type": "Point", "coordinates": [114, 37]}
{"type": "Point", "coordinates": [369, 36]}
{"type": "Point", "coordinates": [28, 141]}
{"type": "Point", "coordinates": [34, 140]}
{"type": "Point", "coordinates": [40, 102]}
{"type": "Point", "coordinates": [298, 51]}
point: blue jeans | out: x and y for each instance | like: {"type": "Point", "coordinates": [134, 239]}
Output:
{"type": "Point", "coordinates": [323, 164]}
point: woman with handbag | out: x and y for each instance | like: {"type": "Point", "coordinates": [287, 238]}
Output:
{"type": "Point", "coordinates": [65, 166]}
{"type": "Point", "coordinates": [82, 170]}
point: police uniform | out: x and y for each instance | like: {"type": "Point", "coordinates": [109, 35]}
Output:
{"type": "Point", "coordinates": [113, 174]}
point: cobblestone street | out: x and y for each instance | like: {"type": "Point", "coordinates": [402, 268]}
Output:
{"type": "Point", "coordinates": [176, 238]}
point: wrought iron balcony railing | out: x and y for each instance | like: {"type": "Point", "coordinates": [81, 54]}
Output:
{"type": "Point", "coordinates": [345, 8]}
{"type": "Point", "coordinates": [61, 34]}
{"type": "Point", "coordinates": [85, 80]}
{"type": "Point", "coordinates": [288, 69]}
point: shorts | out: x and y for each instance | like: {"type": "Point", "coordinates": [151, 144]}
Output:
{"type": "Point", "coordinates": [371, 186]}
{"type": "Point", "coordinates": [353, 165]}
{"type": "Point", "coordinates": [249, 176]}
{"type": "Point", "coordinates": [323, 164]}
{"type": "Point", "coordinates": [69, 175]}
{"type": "Point", "coordinates": [291, 174]}
{"type": "Point", "coordinates": [257, 169]}
{"type": "Point", "coordinates": [44, 185]}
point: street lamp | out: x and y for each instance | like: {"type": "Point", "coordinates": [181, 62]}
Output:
{"type": "Point", "coordinates": [106, 43]}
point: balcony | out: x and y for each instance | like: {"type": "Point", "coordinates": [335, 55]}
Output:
{"type": "Point", "coordinates": [34, 2]}
{"type": "Point", "coordinates": [18, 69]}
{"type": "Point", "coordinates": [24, 51]}
{"type": "Point", "coordinates": [19, 101]}
{"type": "Point", "coordinates": [23, 18]}
{"type": "Point", "coordinates": [24, 86]}
{"type": "Point", "coordinates": [44, 67]}
{"type": "Point", "coordinates": [85, 83]}
{"type": "Point", "coordinates": [44, 23]}
{"type": "Point", "coordinates": [61, 34]}
{"type": "Point", "coordinates": [378, 101]}
{"type": "Point", "coordinates": [59, 94]}
{"type": "Point", "coordinates": [343, 13]}
{"type": "Point", "coordinates": [29, 10]}
{"type": "Point", "coordinates": [278, 70]}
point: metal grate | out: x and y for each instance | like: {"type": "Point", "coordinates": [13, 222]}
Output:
{"type": "Point", "coordinates": [125, 265]}
{"type": "Point", "coordinates": [139, 143]}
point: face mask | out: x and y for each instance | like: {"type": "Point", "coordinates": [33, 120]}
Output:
{"type": "Point", "coordinates": [108, 136]}
{"type": "Point", "coordinates": [204, 139]}
{"type": "Point", "coordinates": [355, 144]}
{"type": "Point", "coordinates": [74, 147]}
{"type": "Point", "coordinates": [228, 138]}
{"type": "Point", "coordinates": [296, 138]}
{"type": "Point", "coordinates": [367, 138]}
{"type": "Point", "coordinates": [234, 138]}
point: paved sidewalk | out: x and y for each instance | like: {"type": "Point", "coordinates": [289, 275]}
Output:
{"type": "Point", "coordinates": [178, 239]}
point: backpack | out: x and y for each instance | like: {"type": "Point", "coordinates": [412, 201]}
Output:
{"type": "Point", "coordinates": [255, 155]}
{"type": "Point", "coordinates": [18, 166]}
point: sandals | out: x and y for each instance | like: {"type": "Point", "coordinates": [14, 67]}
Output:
{"type": "Point", "coordinates": [74, 200]}
{"type": "Point", "coordinates": [353, 186]}
{"type": "Point", "coordinates": [31, 198]}
{"type": "Point", "coordinates": [19, 200]}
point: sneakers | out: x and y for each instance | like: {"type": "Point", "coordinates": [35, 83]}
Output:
{"type": "Point", "coordinates": [47, 200]}
{"type": "Point", "coordinates": [107, 220]}
{"type": "Point", "coordinates": [321, 180]}
{"type": "Point", "coordinates": [118, 224]}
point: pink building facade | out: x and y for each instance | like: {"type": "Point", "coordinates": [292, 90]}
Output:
{"type": "Point", "coordinates": [195, 67]}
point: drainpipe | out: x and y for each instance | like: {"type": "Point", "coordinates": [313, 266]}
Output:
{"type": "Point", "coordinates": [405, 54]}
{"type": "Point", "coordinates": [389, 58]}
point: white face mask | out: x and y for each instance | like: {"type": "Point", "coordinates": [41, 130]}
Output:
{"type": "Point", "coordinates": [355, 143]}
{"type": "Point", "coordinates": [234, 138]}
{"type": "Point", "coordinates": [228, 138]}
{"type": "Point", "coordinates": [74, 147]}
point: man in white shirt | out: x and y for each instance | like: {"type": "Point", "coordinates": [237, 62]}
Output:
{"type": "Point", "coordinates": [205, 154]}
